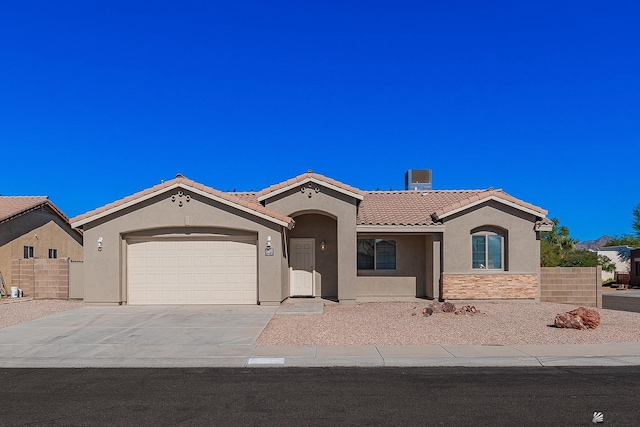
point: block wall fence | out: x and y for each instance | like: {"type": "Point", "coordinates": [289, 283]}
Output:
{"type": "Point", "coordinates": [41, 278]}
{"type": "Point", "coordinates": [571, 285]}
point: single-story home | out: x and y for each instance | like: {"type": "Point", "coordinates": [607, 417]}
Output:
{"type": "Point", "coordinates": [33, 227]}
{"type": "Point", "coordinates": [181, 242]}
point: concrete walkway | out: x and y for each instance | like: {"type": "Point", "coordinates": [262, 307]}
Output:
{"type": "Point", "coordinates": [224, 336]}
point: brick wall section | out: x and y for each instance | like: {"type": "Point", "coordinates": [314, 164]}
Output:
{"type": "Point", "coordinates": [571, 285]}
{"type": "Point", "coordinates": [489, 286]}
{"type": "Point", "coordinates": [41, 278]}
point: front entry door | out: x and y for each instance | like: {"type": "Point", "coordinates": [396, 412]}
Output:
{"type": "Point", "coordinates": [302, 264]}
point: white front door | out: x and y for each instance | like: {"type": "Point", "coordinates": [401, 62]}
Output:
{"type": "Point", "coordinates": [302, 263]}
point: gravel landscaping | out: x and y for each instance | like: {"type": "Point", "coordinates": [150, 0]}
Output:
{"type": "Point", "coordinates": [402, 323]}
{"type": "Point", "coordinates": [14, 311]}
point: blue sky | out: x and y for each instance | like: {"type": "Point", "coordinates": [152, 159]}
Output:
{"type": "Point", "coordinates": [99, 100]}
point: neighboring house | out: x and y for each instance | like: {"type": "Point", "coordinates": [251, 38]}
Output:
{"type": "Point", "coordinates": [619, 255]}
{"type": "Point", "coordinates": [33, 227]}
{"type": "Point", "coordinates": [181, 242]}
{"type": "Point", "coordinates": [634, 279]}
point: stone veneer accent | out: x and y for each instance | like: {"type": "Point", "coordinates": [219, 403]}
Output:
{"type": "Point", "coordinates": [41, 278]}
{"type": "Point", "coordinates": [489, 286]}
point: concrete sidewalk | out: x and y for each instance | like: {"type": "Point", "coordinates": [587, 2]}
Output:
{"type": "Point", "coordinates": [224, 336]}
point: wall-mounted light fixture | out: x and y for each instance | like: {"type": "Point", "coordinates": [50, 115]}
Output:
{"type": "Point", "coordinates": [323, 245]}
{"type": "Point", "coordinates": [99, 243]}
{"type": "Point", "coordinates": [268, 241]}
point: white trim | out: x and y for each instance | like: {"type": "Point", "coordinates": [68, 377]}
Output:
{"type": "Point", "coordinates": [167, 189]}
{"type": "Point", "coordinates": [400, 228]}
{"type": "Point", "coordinates": [303, 182]}
{"type": "Point", "coordinates": [496, 199]}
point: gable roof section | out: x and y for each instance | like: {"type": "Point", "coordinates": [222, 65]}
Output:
{"type": "Point", "coordinates": [305, 178]}
{"type": "Point", "coordinates": [426, 208]}
{"type": "Point", "coordinates": [14, 206]}
{"type": "Point", "coordinates": [228, 199]}
{"type": "Point", "coordinates": [487, 195]}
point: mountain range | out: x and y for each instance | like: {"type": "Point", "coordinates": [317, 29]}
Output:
{"type": "Point", "coordinates": [594, 245]}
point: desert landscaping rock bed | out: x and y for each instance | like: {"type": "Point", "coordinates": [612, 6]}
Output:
{"type": "Point", "coordinates": [402, 323]}
{"type": "Point", "coordinates": [14, 311]}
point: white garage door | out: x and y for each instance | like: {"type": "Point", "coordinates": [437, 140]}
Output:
{"type": "Point", "coordinates": [192, 272]}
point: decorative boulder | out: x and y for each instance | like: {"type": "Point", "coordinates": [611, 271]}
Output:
{"type": "Point", "coordinates": [447, 307]}
{"type": "Point", "coordinates": [580, 318]}
{"type": "Point", "coordinates": [590, 318]}
{"type": "Point", "coordinates": [568, 320]}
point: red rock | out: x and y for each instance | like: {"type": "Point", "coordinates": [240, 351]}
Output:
{"type": "Point", "coordinates": [447, 307]}
{"type": "Point", "coordinates": [590, 318]}
{"type": "Point", "coordinates": [568, 320]}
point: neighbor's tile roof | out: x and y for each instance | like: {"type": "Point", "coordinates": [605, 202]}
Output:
{"type": "Point", "coordinates": [188, 182]}
{"type": "Point", "coordinates": [311, 175]}
{"type": "Point", "coordinates": [413, 208]}
{"type": "Point", "coordinates": [12, 206]}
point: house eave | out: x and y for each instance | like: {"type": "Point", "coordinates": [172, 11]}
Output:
{"type": "Point", "coordinates": [126, 205]}
{"type": "Point", "coordinates": [306, 181]}
{"type": "Point", "coordinates": [400, 228]}
{"type": "Point", "coordinates": [486, 199]}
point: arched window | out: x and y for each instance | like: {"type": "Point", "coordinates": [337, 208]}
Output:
{"type": "Point", "coordinates": [487, 250]}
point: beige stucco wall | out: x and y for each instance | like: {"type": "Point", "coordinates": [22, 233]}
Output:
{"type": "Point", "coordinates": [522, 247]}
{"type": "Point", "coordinates": [410, 276]}
{"type": "Point", "coordinates": [105, 271]}
{"type": "Point", "coordinates": [336, 205]}
{"type": "Point", "coordinates": [52, 233]}
{"type": "Point", "coordinates": [521, 250]}
{"type": "Point", "coordinates": [620, 259]}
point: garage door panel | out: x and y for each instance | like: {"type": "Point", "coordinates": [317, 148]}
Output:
{"type": "Point", "coordinates": [192, 272]}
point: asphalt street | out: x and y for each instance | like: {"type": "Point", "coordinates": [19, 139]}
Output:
{"type": "Point", "coordinates": [539, 396]}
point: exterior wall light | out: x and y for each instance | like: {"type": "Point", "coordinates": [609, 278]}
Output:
{"type": "Point", "coordinates": [268, 242]}
{"type": "Point", "coordinates": [323, 245]}
{"type": "Point", "coordinates": [99, 244]}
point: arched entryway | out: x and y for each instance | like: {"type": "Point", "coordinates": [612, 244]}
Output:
{"type": "Point", "coordinates": [313, 255]}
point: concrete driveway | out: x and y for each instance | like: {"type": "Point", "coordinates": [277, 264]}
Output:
{"type": "Point", "coordinates": [136, 336]}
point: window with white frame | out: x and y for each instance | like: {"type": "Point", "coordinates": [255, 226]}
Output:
{"type": "Point", "coordinates": [376, 254]}
{"type": "Point", "coordinates": [28, 252]}
{"type": "Point", "coordinates": [487, 249]}
{"type": "Point", "coordinates": [53, 253]}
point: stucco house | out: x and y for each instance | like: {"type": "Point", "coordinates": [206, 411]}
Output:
{"type": "Point", "coordinates": [33, 227]}
{"type": "Point", "coordinates": [181, 242]}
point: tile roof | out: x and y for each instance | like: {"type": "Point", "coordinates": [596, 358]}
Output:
{"type": "Point", "coordinates": [485, 194]}
{"type": "Point", "coordinates": [415, 208]}
{"type": "Point", "coordinates": [230, 197]}
{"type": "Point", "coordinates": [12, 206]}
{"type": "Point", "coordinates": [405, 207]}
{"type": "Point", "coordinates": [309, 175]}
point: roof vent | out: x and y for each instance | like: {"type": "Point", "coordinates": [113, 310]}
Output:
{"type": "Point", "coordinates": [417, 179]}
